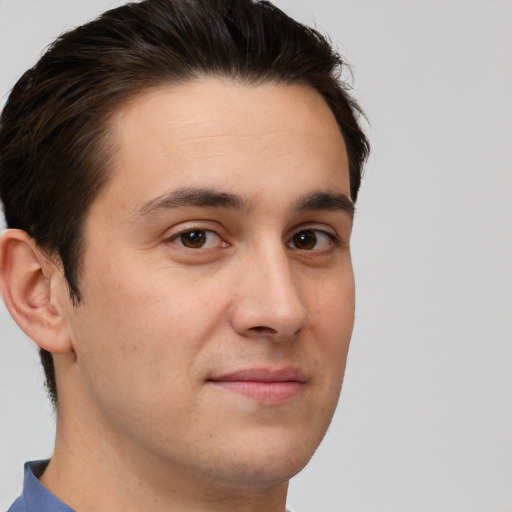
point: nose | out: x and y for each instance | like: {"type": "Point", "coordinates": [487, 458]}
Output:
{"type": "Point", "coordinates": [268, 300]}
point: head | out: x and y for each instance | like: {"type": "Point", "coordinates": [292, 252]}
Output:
{"type": "Point", "coordinates": [76, 124]}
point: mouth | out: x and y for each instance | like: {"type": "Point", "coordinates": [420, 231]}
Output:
{"type": "Point", "coordinates": [264, 385]}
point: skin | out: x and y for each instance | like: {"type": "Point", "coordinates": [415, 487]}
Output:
{"type": "Point", "coordinates": [141, 416]}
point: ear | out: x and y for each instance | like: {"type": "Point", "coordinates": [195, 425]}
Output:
{"type": "Point", "coordinates": [30, 283]}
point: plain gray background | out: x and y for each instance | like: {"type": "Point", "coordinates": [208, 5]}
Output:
{"type": "Point", "coordinates": [425, 418]}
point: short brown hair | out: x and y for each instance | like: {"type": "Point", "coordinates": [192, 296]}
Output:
{"type": "Point", "coordinates": [54, 152]}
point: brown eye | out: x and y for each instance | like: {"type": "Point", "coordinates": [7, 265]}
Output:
{"type": "Point", "coordinates": [193, 239]}
{"type": "Point", "coordinates": [312, 240]}
{"type": "Point", "coordinates": [198, 239]}
{"type": "Point", "coordinates": [305, 240]}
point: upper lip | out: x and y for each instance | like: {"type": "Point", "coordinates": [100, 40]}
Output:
{"type": "Point", "coordinates": [262, 374]}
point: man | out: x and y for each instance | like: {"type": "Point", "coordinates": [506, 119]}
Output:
{"type": "Point", "coordinates": [178, 179]}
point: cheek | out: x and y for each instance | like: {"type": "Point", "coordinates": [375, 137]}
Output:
{"type": "Point", "coordinates": [332, 313]}
{"type": "Point", "coordinates": [332, 303]}
{"type": "Point", "coordinates": [135, 332]}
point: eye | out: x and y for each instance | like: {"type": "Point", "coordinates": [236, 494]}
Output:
{"type": "Point", "coordinates": [198, 239]}
{"type": "Point", "coordinates": [311, 239]}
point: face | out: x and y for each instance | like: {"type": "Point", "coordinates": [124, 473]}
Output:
{"type": "Point", "coordinates": [218, 293]}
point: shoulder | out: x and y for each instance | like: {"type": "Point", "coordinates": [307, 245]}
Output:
{"type": "Point", "coordinates": [35, 497]}
{"type": "Point", "coordinates": [19, 505]}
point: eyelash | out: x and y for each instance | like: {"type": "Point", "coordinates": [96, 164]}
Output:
{"type": "Point", "coordinates": [176, 237]}
{"type": "Point", "coordinates": [333, 240]}
{"type": "Point", "coordinates": [317, 235]}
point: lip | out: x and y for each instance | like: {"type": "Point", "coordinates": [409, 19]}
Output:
{"type": "Point", "coordinates": [265, 385]}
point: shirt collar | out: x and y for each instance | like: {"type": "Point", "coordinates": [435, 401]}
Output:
{"type": "Point", "coordinates": [37, 497]}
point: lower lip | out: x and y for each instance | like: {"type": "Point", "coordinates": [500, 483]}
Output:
{"type": "Point", "coordinates": [264, 392]}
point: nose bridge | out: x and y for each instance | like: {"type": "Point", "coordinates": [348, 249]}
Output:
{"type": "Point", "coordinates": [270, 295]}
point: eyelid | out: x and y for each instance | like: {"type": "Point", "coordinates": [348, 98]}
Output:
{"type": "Point", "coordinates": [322, 230]}
{"type": "Point", "coordinates": [174, 233]}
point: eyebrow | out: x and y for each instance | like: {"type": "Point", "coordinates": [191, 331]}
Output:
{"type": "Point", "coordinates": [189, 196]}
{"type": "Point", "coordinates": [326, 201]}
{"type": "Point", "coordinates": [212, 198]}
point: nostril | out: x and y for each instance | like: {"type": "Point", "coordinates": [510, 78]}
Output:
{"type": "Point", "coordinates": [262, 328]}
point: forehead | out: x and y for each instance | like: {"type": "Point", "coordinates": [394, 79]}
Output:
{"type": "Point", "coordinates": [217, 132]}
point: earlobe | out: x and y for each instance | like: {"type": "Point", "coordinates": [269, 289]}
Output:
{"type": "Point", "coordinates": [26, 275]}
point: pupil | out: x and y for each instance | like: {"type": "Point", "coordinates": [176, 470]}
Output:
{"type": "Point", "coordinates": [305, 239]}
{"type": "Point", "coordinates": [193, 239]}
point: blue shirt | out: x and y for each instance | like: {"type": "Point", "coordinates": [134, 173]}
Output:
{"type": "Point", "coordinates": [35, 497]}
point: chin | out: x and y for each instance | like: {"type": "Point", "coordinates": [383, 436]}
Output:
{"type": "Point", "coordinates": [268, 460]}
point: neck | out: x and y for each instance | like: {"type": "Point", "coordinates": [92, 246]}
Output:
{"type": "Point", "coordinates": [91, 472]}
